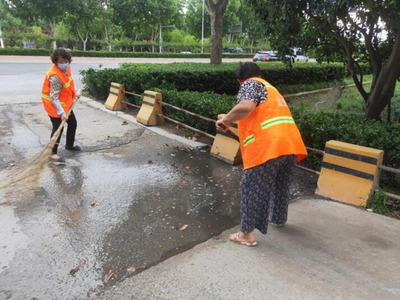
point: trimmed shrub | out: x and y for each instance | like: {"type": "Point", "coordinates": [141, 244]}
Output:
{"type": "Point", "coordinates": [319, 127]}
{"type": "Point", "coordinates": [202, 77]}
{"type": "Point", "coordinates": [316, 127]}
{"type": "Point", "coordinates": [205, 104]}
{"type": "Point", "coordinates": [79, 53]}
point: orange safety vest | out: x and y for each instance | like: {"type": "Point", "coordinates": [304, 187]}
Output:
{"type": "Point", "coordinates": [67, 93]}
{"type": "Point", "coordinates": [269, 131]}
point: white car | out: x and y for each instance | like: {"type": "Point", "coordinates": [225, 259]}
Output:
{"type": "Point", "coordinates": [300, 57]}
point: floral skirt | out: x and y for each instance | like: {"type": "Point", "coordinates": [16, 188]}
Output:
{"type": "Point", "coordinates": [264, 192]}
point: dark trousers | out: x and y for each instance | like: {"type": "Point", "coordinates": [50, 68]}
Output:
{"type": "Point", "coordinates": [71, 130]}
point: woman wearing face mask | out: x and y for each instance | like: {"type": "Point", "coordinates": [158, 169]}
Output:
{"type": "Point", "coordinates": [58, 94]}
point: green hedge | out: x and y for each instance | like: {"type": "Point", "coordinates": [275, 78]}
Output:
{"type": "Point", "coordinates": [203, 77]}
{"type": "Point", "coordinates": [316, 127]}
{"type": "Point", "coordinates": [205, 104]}
{"type": "Point", "coordinates": [319, 127]}
{"type": "Point", "coordinates": [78, 53]}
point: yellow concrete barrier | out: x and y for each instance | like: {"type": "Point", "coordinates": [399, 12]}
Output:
{"type": "Point", "coordinates": [225, 147]}
{"type": "Point", "coordinates": [116, 96]}
{"type": "Point", "coordinates": [150, 112]}
{"type": "Point", "coordinates": [349, 173]}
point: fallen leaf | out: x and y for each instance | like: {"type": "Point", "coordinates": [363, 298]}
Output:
{"type": "Point", "coordinates": [95, 204]}
{"type": "Point", "coordinates": [73, 271]}
{"type": "Point", "coordinates": [183, 227]}
{"type": "Point", "coordinates": [183, 181]}
{"type": "Point", "coordinates": [82, 262]}
{"type": "Point", "coordinates": [108, 276]}
{"type": "Point", "coordinates": [131, 269]}
{"type": "Point", "coordinates": [52, 252]}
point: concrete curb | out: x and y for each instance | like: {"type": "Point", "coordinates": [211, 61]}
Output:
{"type": "Point", "coordinates": [130, 118]}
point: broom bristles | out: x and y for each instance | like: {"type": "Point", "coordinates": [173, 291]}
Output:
{"type": "Point", "coordinates": [24, 178]}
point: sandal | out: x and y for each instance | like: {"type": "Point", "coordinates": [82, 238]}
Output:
{"type": "Point", "coordinates": [234, 237]}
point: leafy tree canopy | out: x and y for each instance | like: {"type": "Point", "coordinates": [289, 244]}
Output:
{"type": "Point", "coordinates": [352, 29]}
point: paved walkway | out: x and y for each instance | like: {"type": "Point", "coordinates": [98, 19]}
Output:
{"type": "Point", "coordinates": [327, 250]}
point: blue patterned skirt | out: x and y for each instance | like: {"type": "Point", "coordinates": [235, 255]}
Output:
{"type": "Point", "coordinates": [264, 192]}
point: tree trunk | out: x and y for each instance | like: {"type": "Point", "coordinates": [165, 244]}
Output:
{"type": "Point", "coordinates": [107, 37]}
{"type": "Point", "coordinates": [84, 40]}
{"type": "Point", "coordinates": [383, 91]}
{"type": "Point", "coordinates": [53, 31]}
{"type": "Point", "coordinates": [216, 12]}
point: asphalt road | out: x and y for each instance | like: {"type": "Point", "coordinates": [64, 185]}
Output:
{"type": "Point", "coordinates": [117, 204]}
{"type": "Point", "coordinates": [22, 78]}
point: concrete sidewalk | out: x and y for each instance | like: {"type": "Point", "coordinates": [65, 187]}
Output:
{"type": "Point", "coordinates": [327, 250]}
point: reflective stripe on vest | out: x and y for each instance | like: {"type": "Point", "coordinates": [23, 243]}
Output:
{"type": "Point", "coordinates": [275, 121]}
{"type": "Point", "coordinates": [268, 85]}
{"type": "Point", "coordinates": [248, 140]}
{"type": "Point", "coordinates": [49, 99]}
{"type": "Point", "coordinates": [46, 97]}
{"type": "Point", "coordinates": [68, 83]}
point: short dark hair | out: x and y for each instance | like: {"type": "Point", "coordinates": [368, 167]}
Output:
{"type": "Point", "coordinates": [60, 52]}
{"type": "Point", "coordinates": [247, 70]}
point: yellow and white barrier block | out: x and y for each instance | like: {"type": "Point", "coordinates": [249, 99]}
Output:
{"type": "Point", "coordinates": [116, 96]}
{"type": "Point", "coordinates": [349, 173]}
{"type": "Point", "coordinates": [150, 112]}
{"type": "Point", "coordinates": [225, 147]}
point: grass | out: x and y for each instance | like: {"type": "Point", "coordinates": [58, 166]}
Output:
{"type": "Point", "coordinates": [349, 101]}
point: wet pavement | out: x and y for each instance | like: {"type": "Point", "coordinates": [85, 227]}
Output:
{"type": "Point", "coordinates": [122, 203]}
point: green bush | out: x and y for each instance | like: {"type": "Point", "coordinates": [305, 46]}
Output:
{"type": "Point", "coordinates": [316, 127]}
{"type": "Point", "coordinates": [205, 104]}
{"type": "Point", "coordinates": [22, 51]}
{"type": "Point", "coordinates": [202, 77]}
{"type": "Point", "coordinates": [319, 127]}
{"type": "Point", "coordinates": [79, 53]}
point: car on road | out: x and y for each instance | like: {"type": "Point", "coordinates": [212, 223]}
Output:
{"type": "Point", "coordinates": [266, 56]}
{"type": "Point", "coordinates": [299, 55]}
{"type": "Point", "coordinates": [232, 50]}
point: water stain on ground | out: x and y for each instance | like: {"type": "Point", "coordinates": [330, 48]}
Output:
{"type": "Point", "coordinates": [125, 202]}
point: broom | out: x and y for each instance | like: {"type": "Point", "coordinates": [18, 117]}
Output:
{"type": "Point", "coordinates": [25, 177]}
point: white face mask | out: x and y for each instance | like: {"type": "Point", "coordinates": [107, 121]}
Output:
{"type": "Point", "coordinates": [63, 66]}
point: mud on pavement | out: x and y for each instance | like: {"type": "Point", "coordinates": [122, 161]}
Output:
{"type": "Point", "coordinates": [129, 200]}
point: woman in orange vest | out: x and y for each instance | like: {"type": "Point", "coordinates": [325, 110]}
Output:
{"type": "Point", "coordinates": [270, 143]}
{"type": "Point", "coordinates": [58, 95]}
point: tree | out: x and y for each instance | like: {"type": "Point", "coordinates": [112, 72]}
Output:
{"type": "Point", "coordinates": [355, 27]}
{"type": "Point", "coordinates": [33, 10]}
{"type": "Point", "coordinates": [216, 11]}
{"type": "Point", "coordinates": [142, 18]}
{"type": "Point", "coordinates": [253, 26]}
